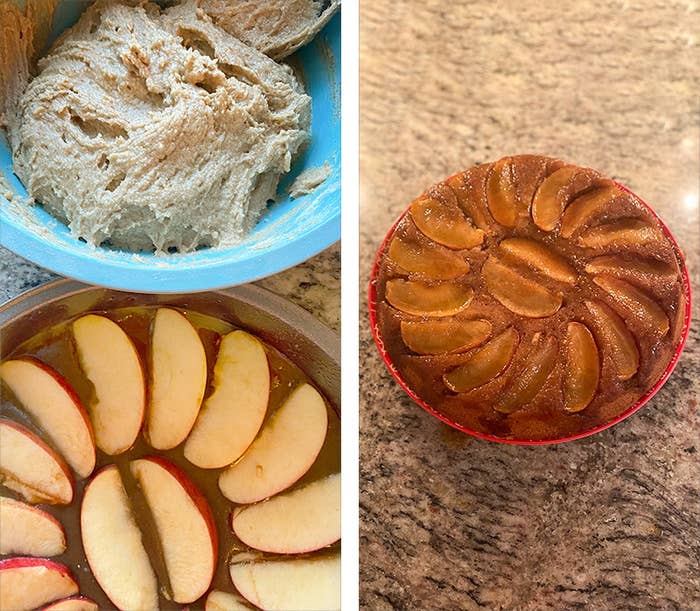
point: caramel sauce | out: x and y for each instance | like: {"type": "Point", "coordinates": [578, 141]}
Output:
{"type": "Point", "coordinates": [54, 346]}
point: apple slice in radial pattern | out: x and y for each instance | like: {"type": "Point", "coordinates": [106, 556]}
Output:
{"type": "Point", "coordinates": [178, 377]}
{"type": "Point", "coordinates": [48, 398]}
{"type": "Point", "coordinates": [295, 522]}
{"type": "Point", "coordinates": [234, 412]}
{"type": "Point", "coordinates": [300, 584]}
{"type": "Point", "coordinates": [285, 449]}
{"type": "Point", "coordinates": [113, 545]}
{"type": "Point", "coordinates": [184, 523]}
{"type": "Point", "coordinates": [29, 531]}
{"type": "Point", "coordinates": [31, 468]}
{"type": "Point", "coordinates": [73, 603]}
{"type": "Point", "coordinates": [110, 361]}
{"type": "Point", "coordinates": [28, 583]}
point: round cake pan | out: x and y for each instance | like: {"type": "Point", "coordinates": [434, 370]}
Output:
{"type": "Point", "coordinates": [372, 306]}
{"type": "Point", "coordinates": [284, 325]}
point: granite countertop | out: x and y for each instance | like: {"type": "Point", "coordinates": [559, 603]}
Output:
{"type": "Point", "coordinates": [313, 285]}
{"type": "Point", "coordinates": [452, 522]}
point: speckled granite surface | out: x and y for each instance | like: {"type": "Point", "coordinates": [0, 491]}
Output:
{"type": "Point", "coordinates": [451, 522]}
{"type": "Point", "coordinates": [314, 285]}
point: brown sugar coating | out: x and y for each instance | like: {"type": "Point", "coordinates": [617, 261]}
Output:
{"type": "Point", "coordinates": [529, 298]}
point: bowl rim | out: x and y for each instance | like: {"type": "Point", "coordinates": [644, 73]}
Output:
{"type": "Point", "coordinates": [388, 362]}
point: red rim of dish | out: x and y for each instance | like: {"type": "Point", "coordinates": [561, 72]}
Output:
{"type": "Point", "coordinates": [372, 305]}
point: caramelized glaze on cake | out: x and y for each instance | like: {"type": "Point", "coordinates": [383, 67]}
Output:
{"type": "Point", "coordinates": [529, 298]}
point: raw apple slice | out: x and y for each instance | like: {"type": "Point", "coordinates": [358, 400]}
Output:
{"type": "Point", "coordinates": [445, 224]}
{"type": "Point", "coordinates": [110, 361]}
{"type": "Point", "coordinates": [432, 261]}
{"type": "Point", "coordinates": [285, 449]}
{"type": "Point", "coordinates": [29, 531]}
{"type": "Point", "coordinates": [74, 603]}
{"type": "Point", "coordinates": [178, 377]}
{"type": "Point", "coordinates": [500, 192]}
{"type": "Point", "coordinates": [617, 339]}
{"type": "Point", "coordinates": [30, 467]}
{"type": "Point", "coordinates": [296, 522]}
{"type": "Point", "coordinates": [530, 380]}
{"type": "Point", "coordinates": [539, 257]}
{"type": "Point", "coordinates": [582, 367]}
{"type": "Point", "coordinates": [622, 232]}
{"type": "Point", "coordinates": [113, 545]}
{"type": "Point", "coordinates": [441, 336]}
{"type": "Point", "coordinates": [233, 414]}
{"type": "Point", "coordinates": [184, 523]}
{"type": "Point", "coordinates": [582, 209]}
{"type": "Point", "coordinates": [224, 601]}
{"type": "Point", "coordinates": [303, 585]}
{"type": "Point", "coordinates": [485, 364]}
{"type": "Point", "coordinates": [517, 293]}
{"type": "Point", "coordinates": [48, 398]}
{"type": "Point", "coordinates": [28, 583]}
{"type": "Point", "coordinates": [422, 299]}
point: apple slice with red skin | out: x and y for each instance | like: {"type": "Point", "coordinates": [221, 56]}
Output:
{"type": "Point", "coordinates": [233, 414]}
{"type": "Point", "coordinates": [218, 600]}
{"type": "Point", "coordinates": [178, 378]}
{"type": "Point", "coordinates": [28, 583]}
{"type": "Point", "coordinates": [110, 361]}
{"type": "Point", "coordinates": [295, 522]}
{"type": "Point", "coordinates": [48, 398]}
{"type": "Point", "coordinates": [73, 603]}
{"type": "Point", "coordinates": [300, 584]}
{"type": "Point", "coordinates": [184, 523]}
{"type": "Point", "coordinates": [29, 531]}
{"type": "Point", "coordinates": [285, 449]}
{"type": "Point", "coordinates": [113, 545]}
{"type": "Point", "coordinates": [31, 468]}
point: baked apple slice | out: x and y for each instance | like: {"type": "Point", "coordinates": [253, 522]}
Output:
{"type": "Point", "coordinates": [184, 523]}
{"type": "Point", "coordinates": [619, 233]}
{"type": "Point", "coordinates": [555, 192]}
{"type": "Point", "coordinates": [432, 261]}
{"type": "Point", "coordinates": [422, 299]}
{"type": "Point", "coordinates": [639, 266]}
{"type": "Point", "coordinates": [539, 257]}
{"type": "Point", "coordinates": [295, 522]}
{"type": "Point", "coordinates": [28, 583]}
{"type": "Point", "coordinates": [73, 603]}
{"type": "Point", "coordinates": [517, 293]}
{"type": "Point", "coordinates": [445, 224]}
{"type": "Point", "coordinates": [285, 449]}
{"type": "Point", "coordinates": [582, 367]}
{"type": "Point", "coordinates": [113, 545]}
{"type": "Point", "coordinates": [583, 208]}
{"type": "Point", "coordinates": [111, 363]}
{"type": "Point", "coordinates": [29, 531]}
{"type": "Point", "coordinates": [31, 468]}
{"type": "Point", "coordinates": [500, 192]}
{"type": "Point", "coordinates": [485, 364]}
{"type": "Point", "coordinates": [442, 336]}
{"type": "Point", "coordinates": [48, 398]}
{"type": "Point", "coordinates": [218, 600]}
{"type": "Point", "coordinates": [234, 412]}
{"type": "Point", "coordinates": [309, 583]}
{"type": "Point", "coordinates": [616, 339]}
{"type": "Point", "coordinates": [178, 377]}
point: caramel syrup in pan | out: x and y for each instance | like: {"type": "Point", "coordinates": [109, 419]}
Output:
{"type": "Point", "coordinates": [54, 346]}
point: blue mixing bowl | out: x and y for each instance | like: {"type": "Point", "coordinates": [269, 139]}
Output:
{"type": "Point", "coordinates": [290, 231]}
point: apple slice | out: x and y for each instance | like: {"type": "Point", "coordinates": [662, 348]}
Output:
{"type": "Point", "coordinates": [178, 378]}
{"type": "Point", "coordinates": [500, 193]}
{"type": "Point", "coordinates": [429, 260]}
{"type": "Point", "coordinates": [30, 467]}
{"type": "Point", "coordinates": [441, 336]}
{"type": "Point", "coordinates": [517, 293]}
{"type": "Point", "coordinates": [113, 545]}
{"type": "Point", "coordinates": [555, 192]}
{"type": "Point", "coordinates": [110, 361]}
{"type": "Point", "coordinates": [540, 257]}
{"type": "Point", "coordinates": [582, 209]}
{"type": "Point", "coordinates": [304, 584]}
{"type": "Point", "coordinates": [617, 339]}
{"type": "Point", "coordinates": [622, 232]}
{"type": "Point", "coordinates": [582, 367]}
{"type": "Point", "coordinates": [48, 398]}
{"type": "Point", "coordinates": [224, 601]}
{"type": "Point", "coordinates": [184, 523]}
{"type": "Point", "coordinates": [285, 449]}
{"type": "Point", "coordinates": [639, 266]}
{"type": "Point", "coordinates": [233, 414]}
{"type": "Point", "coordinates": [74, 603]}
{"type": "Point", "coordinates": [296, 522]}
{"type": "Point", "coordinates": [445, 223]}
{"type": "Point", "coordinates": [29, 531]}
{"type": "Point", "coordinates": [422, 299]}
{"type": "Point", "coordinates": [28, 583]}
